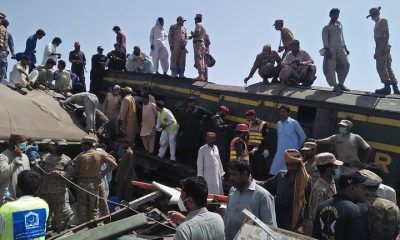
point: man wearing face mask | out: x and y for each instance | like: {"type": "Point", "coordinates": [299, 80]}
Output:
{"type": "Point", "coordinates": [199, 223]}
{"type": "Point", "coordinates": [12, 162]}
{"type": "Point", "coordinates": [382, 53]}
{"type": "Point", "coordinates": [324, 188]}
{"type": "Point", "coordinates": [53, 187]}
{"type": "Point", "coordinates": [347, 145]}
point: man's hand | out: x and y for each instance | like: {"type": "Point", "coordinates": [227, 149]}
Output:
{"type": "Point", "coordinates": [347, 51]}
{"type": "Point", "coordinates": [328, 53]}
{"type": "Point", "coordinates": [56, 173]}
{"type": "Point", "coordinates": [176, 217]}
{"type": "Point", "coordinates": [101, 175]}
{"type": "Point", "coordinates": [296, 62]}
{"type": "Point", "coordinates": [152, 47]}
{"type": "Point", "coordinates": [18, 152]}
{"type": "Point", "coordinates": [246, 79]}
{"type": "Point", "coordinates": [281, 48]}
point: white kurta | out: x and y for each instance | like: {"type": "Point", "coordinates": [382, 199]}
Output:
{"type": "Point", "coordinates": [210, 167]}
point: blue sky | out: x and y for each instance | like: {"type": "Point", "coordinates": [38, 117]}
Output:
{"type": "Point", "coordinates": [238, 30]}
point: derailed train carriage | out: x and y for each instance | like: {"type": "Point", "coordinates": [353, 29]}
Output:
{"type": "Point", "coordinates": [318, 110]}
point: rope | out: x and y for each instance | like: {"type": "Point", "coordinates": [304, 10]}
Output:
{"type": "Point", "coordinates": [97, 196]}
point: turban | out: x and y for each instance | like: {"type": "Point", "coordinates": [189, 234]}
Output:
{"type": "Point", "coordinates": [293, 156]}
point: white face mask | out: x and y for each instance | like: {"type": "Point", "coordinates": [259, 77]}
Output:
{"type": "Point", "coordinates": [181, 205]}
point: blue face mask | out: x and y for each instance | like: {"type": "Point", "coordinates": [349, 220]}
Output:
{"type": "Point", "coordinates": [336, 175]}
{"type": "Point", "coordinates": [342, 130]}
{"type": "Point", "coordinates": [23, 146]}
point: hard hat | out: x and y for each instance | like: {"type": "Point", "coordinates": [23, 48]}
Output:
{"type": "Point", "coordinates": [242, 127]}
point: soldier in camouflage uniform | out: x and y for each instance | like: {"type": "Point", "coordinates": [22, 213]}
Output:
{"type": "Point", "coordinates": [308, 151]}
{"type": "Point", "coordinates": [383, 216]}
{"type": "Point", "coordinates": [199, 46]}
{"type": "Point", "coordinates": [323, 189]}
{"type": "Point", "coordinates": [53, 188]}
{"type": "Point", "coordinates": [265, 63]}
{"type": "Point", "coordinates": [177, 38]}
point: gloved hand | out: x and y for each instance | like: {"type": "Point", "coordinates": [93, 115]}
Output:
{"type": "Point", "coordinates": [253, 151]}
{"type": "Point", "coordinates": [265, 153]}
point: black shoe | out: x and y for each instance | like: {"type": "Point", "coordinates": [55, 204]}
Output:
{"type": "Point", "coordinates": [343, 87]}
{"type": "Point", "coordinates": [395, 89]}
{"type": "Point", "coordinates": [385, 90]}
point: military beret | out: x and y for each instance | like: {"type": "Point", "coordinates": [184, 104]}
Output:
{"type": "Point", "coordinates": [308, 146]}
{"type": "Point", "coordinates": [374, 11]}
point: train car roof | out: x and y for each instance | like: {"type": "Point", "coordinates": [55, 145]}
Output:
{"type": "Point", "coordinates": [317, 95]}
{"type": "Point", "coordinates": [36, 114]}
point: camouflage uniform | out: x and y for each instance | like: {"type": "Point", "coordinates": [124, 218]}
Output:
{"type": "Point", "coordinates": [383, 218]}
{"type": "Point", "coordinates": [177, 38]}
{"type": "Point", "coordinates": [382, 52]}
{"type": "Point", "coordinates": [265, 63]}
{"type": "Point", "coordinates": [320, 192]}
{"type": "Point", "coordinates": [103, 196]}
{"type": "Point", "coordinates": [312, 170]}
{"type": "Point", "coordinates": [88, 205]}
{"type": "Point", "coordinates": [53, 190]}
{"type": "Point", "coordinates": [199, 49]}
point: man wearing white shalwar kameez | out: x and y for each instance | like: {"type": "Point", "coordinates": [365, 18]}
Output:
{"type": "Point", "coordinates": [159, 51]}
{"type": "Point", "coordinates": [209, 165]}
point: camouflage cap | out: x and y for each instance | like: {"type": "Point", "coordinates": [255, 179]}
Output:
{"type": "Point", "coordinates": [2, 15]}
{"type": "Point", "coordinates": [198, 16]}
{"type": "Point", "coordinates": [372, 179]}
{"type": "Point", "coordinates": [308, 146]}
{"type": "Point", "coordinates": [180, 18]}
{"type": "Point", "coordinates": [374, 11]}
{"type": "Point", "coordinates": [346, 123]}
{"type": "Point", "coordinates": [327, 158]}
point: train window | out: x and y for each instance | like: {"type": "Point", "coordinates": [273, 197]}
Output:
{"type": "Point", "coordinates": [306, 118]}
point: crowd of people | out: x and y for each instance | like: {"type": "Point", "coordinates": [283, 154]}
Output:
{"type": "Point", "coordinates": [326, 195]}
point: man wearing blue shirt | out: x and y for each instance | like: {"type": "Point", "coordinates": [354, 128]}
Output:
{"type": "Point", "coordinates": [290, 135]}
{"type": "Point", "coordinates": [30, 48]}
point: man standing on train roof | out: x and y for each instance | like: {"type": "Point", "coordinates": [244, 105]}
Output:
{"type": "Point", "coordinates": [347, 146]}
{"type": "Point", "coordinates": [120, 38]}
{"type": "Point", "coordinates": [265, 63]}
{"type": "Point", "coordinates": [335, 52]}
{"type": "Point", "coordinates": [177, 38]}
{"type": "Point", "coordinates": [98, 67]}
{"type": "Point", "coordinates": [286, 37]}
{"type": "Point", "coordinates": [199, 46]}
{"type": "Point", "coordinates": [50, 51]}
{"type": "Point", "coordinates": [159, 51]}
{"type": "Point", "coordinates": [297, 66]}
{"type": "Point", "coordinates": [238, 148]}
{"type": "Point", "coordinates": [290, 135]}
{"type": "Point", "coordinates": [258, 141]}
{"type": "Point", "coordinates": [30, 48]}
{"type": "Point", "coordinates": [382, 53]}
{"type": "Point", "coordinates": [78, 61]}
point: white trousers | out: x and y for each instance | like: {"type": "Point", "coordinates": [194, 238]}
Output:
{"type": "Point", "coordinates": [160, 54]}
{"type": "Point", "coordinates": [165, 140]}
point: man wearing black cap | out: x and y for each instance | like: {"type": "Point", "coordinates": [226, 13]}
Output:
{"type": "Point", "coordinates": [219, 126]}
{"type": "Point", "coordinates": [335, 52]}
{"type": "Point", "coordinates": [191, 130]}
{"type": "Point", "coordinates": [199, 46]}
{"type": "Point", "coordinates": [382, 53]}
{"type": "Point", "coordinates": [340, 218]}
{"type": "Point", "coordinates": [97, 70]}
{"type": "Point", "coordinates": [286, 37]}
{"type": "Point", "coordinates": [177, 38]}
{"type": "Point", "coordinates": [120, 38]}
